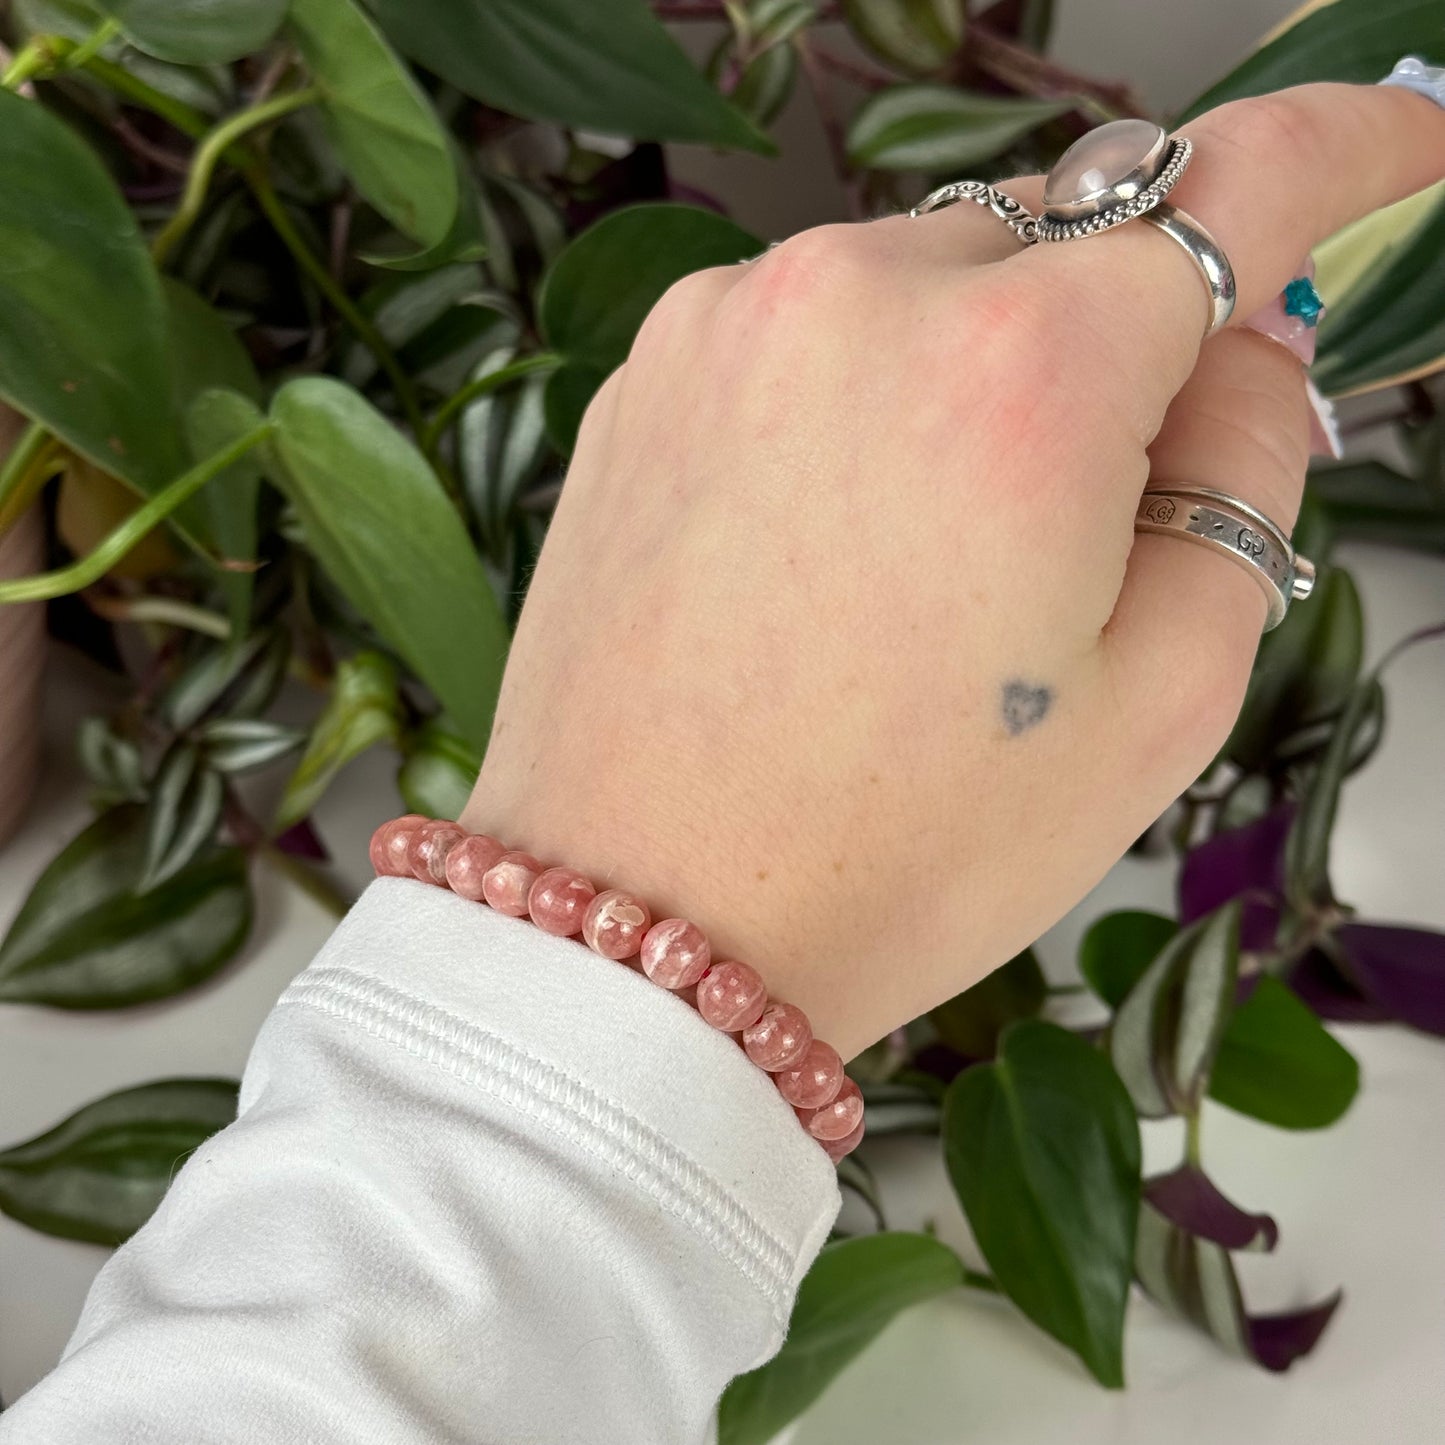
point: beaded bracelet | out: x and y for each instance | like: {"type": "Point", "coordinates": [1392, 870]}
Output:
{"type": "Point", "coordinates": [673, 953]}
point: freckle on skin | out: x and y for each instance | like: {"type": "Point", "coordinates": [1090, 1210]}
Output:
{"type": "Point", "coordinates": [837, 865]}
{"type": "Point", "coordinates": [872, 777]}
{"type": "Point", "coordinates": [762, 875]}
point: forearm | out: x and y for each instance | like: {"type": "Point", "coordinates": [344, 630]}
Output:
{"type": "Point", "coordinates": [483, 1184]}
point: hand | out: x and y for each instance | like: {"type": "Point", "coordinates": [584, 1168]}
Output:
{"type": "Point", "coordinates": [842, 643]}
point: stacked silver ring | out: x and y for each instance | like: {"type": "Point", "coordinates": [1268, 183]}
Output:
{"type": "Point", "coordinates": [1241, 532]}
{"type": "Point", "coordinates": [1122, 172]}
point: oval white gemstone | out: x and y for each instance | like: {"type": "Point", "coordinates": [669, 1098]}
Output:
{"type": "Point", "coordinates": [1100, 160]}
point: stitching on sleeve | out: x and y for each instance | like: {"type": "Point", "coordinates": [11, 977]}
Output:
{"type": "Point", "coordinates": [562, 1104]}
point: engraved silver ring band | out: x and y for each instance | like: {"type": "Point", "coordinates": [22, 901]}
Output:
{"type": "Point", "coordinates": [1240, 532]}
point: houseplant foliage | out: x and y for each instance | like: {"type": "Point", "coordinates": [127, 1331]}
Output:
{"type": "Point", "coordinates": [304, 300]}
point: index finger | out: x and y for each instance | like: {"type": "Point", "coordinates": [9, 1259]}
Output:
{"type": "Point", "coordinates": [1270, 177]}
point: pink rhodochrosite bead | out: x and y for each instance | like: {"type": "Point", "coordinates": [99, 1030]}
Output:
{"type": "Point", "coordinates": [779, 1039]}
{"type": "Point", "coordinates": [837, 1120]}
{"type": "Point", "coordinates": [559, 900]}
{"type": "Point", "coordinates": [731, 996]}
{"type": "Point", "coordinates": [426, 855]}
{"type": "Point", "coordinates": [467, 864]}
{"type": "Point", "coordinates": [615, 924]}
{"type": "Point", "coordinates": [396, 845]}
{"type": "Point", "coordinates": [816, 1081]}
{"type": "Point", "coordinates": [380, 862]}
{"type": "Point", "coordinates": [675, 953]}
{"type": "Point", "coordinates": [508, 882]}
{"type": "Point", "coordinates": [837, 1149]}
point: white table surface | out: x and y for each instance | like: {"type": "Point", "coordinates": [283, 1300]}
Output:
{"type": "Point", "coordinates": [1360, 1205]}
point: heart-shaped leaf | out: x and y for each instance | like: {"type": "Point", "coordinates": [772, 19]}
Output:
{"type": "Point", "coordinates": [597, 292]}
{"type": "Point", "coordinates": [83, 323]}
{"type": "Point", "coordinates": [1165, 1034]}
{"type": "Point", "coordinates": [364, 709]}
{"type": "Point", "coordinates": [608, 65]}
{"type": "Point", "coordinates": [100, 1174]}
{"type": "Point", "coordinates": [854, 1289]}
{"type": "Point", "coordinates": [1118, 948]}
{"type": "Point", "coordinates": [378, 521]}
{"type": "Point", "coordinates": [937, 128]}
{"type": "Point", "coordinates": [381, 122]}
{"type": "Point", "coordinates": [1277, 1062]}
{"type": "Point", "coordinates": [1043, 1149]}
{"type": "Point", "coordinates": [196, 32]}
{"type": "Point", "coordinates": [88, 938]}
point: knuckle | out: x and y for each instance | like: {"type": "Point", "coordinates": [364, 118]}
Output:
{"type": "Point", "coordinates": [1007, 323]}
{"type": "Point", "coordinates": [807, 267]}
{"type": "Point", "coordinates": [679, 308]}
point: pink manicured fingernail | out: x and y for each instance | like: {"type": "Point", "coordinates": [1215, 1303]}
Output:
{"type": "Point", "coordinates": [1293, 316]}
{"type": "Point", "coordinates": [1324, 429]}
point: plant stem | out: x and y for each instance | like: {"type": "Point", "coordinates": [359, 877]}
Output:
{"type": "Point", "coordinates": [275, 212]}
{"type": "Point", "coordinates": [94, 565]}
{"type": "Point", "coordinates": [1192, 1153]}
{"type": "Point", "coordinates": [168, 611]}
{"type": "Point", "coordinates": [129, 87]}
{"type": "Point", "coordinates": [481, 386]}
{"type": "Point", "coordinates": [33, 58]}
{"type": "Point", "coordinates": [1018, 66]}
{"type": "Point", "coordinates": [17, 469]}
{"type": "Point", "coordinates": [210, 151]}
{"type": "Point", "coordinates": [93, 44]}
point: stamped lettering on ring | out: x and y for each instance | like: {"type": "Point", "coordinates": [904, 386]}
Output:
{"type": "Point", "coordinates": [1159, 511]}
{"type": "Point", "coordinates": [1250, 543]}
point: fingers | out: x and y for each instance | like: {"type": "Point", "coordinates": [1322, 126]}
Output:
{"type": "Point", "coordinates": [1189, 618]}
{"type": "Point", "coordinates": [1270, 177]}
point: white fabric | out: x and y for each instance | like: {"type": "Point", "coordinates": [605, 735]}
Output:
{"type": "Point", "coordinates": [485, 1188]}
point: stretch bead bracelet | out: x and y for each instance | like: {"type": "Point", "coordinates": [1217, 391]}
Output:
{"type": "Point", "coordinates": [672, 952]}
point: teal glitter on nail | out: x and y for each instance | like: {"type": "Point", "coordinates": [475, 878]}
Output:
{"type": "Point", "coordinates": [1302, 300]}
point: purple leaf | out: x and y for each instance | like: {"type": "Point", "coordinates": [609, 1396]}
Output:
{"type": "Point", "coordinates": [1330, 994]}
{"type": "Point", "coordinates": [1243, 863]}
{"type": "Point", "coordinates": [301, 840]}
{"type": "Point", "coordinates": [1277, 1341]}
{"type": "Point", "coordinates": [1400, 969]}
{"type": "Point", "coordinates": [1188, 1199]}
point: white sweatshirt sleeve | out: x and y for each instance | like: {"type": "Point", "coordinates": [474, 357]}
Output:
{"type": "Point", "coordinates": [484, 1186]}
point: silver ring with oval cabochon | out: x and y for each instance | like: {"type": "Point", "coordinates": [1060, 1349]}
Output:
{"type": "Point", "coordinates": [1114, 173]}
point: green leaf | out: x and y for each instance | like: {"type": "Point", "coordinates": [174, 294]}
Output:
{"type": "Point", "coordinates": [1192, 1278]}
{"type": "Point", "coordinates": [440, 769]}
{"type": "Point", "coordinates": [100, 1174]}
{"type": "Point", "coordinates": [1366, 501]}
{"type": "Point", "coordinates": [111, 762]}
{"type": "Point", "coordinates": [185, 811]}
{"type": "Point", "coordinates": [1391, 327]}
{"type": "Point", "coordinates": [913, 35]}
{"type": "Point", "coordinates": [241, 745]}
{"type": "Point", "coordinates": [1118, 948]}
{"type": "Point", "coordinates": [608, 65]}
{"type": "Point", "coordinates": [364, 709]}
{"type": "Point", "coordinates": [1307, 850]}
{"type": "Point", "coordinates": [762, 88]}
{"type": "Point", "coordinates": [225, 508]}
{"type": "Point", "coordinates": [1303, 672]}
{"type": "Point", "coordinates": [390, 140]}
{"type": "Point", "coordinates": [855, 1288]}
{"type": "Point", "coordinates": [1352, 40]}
{"type": "Point", "coordinates": [972, 1021]}
{"type": "Point", "coordinates": [1278, 1062]}
{"type": "Point", "coordinates": [88, 938]}
{"type": "Point", "coordinates": [377, 520]}
{"type": "Point", "coordinates": [196, 32]}
{"type": "Point", "coordinates": [938, 128]}
{"type": "Point", "coordinates": [231, 678]}
{"type": "Point", "coordinates": [1165, 1034]}
{"type": "Point", "coordinates": [597, 292]}
{"type": "Point", "coordinates": [465, 239]}
{"type": "Point", "coordinates": [1043, 1149]}
{"type": "Point", "coordinates": [83, 332]}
